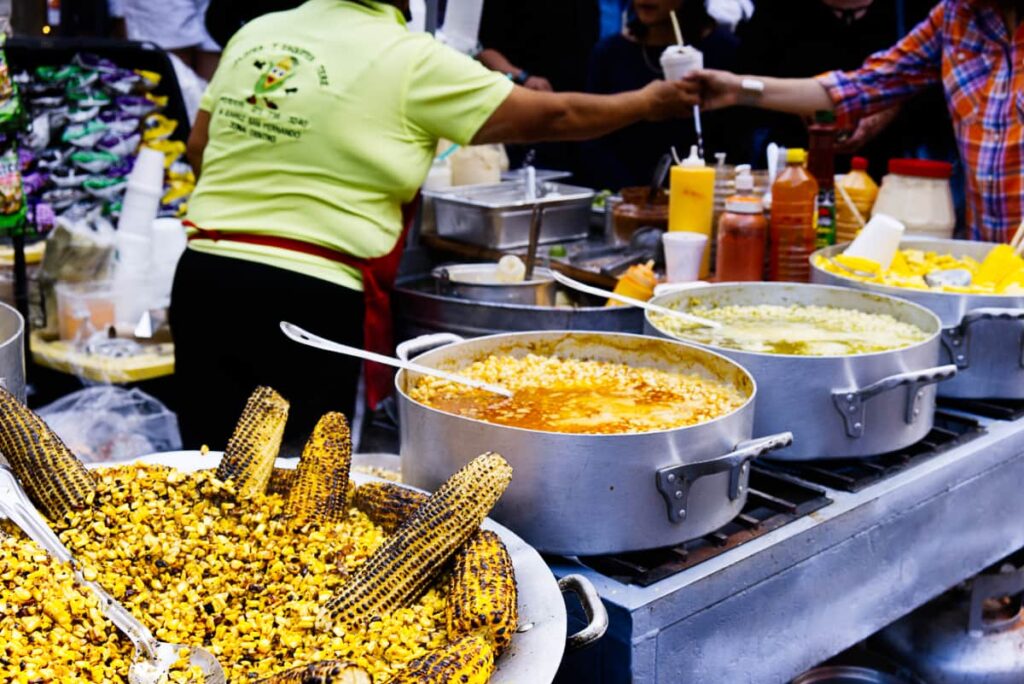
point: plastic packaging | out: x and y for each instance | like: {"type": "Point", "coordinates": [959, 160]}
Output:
{"type": "Point", "coordinates": [476, 165]}
{"type": "Point", "coordinates": [684, 254]}
{"type": "Point", "coordinates": [691, 201]}
{"type": "Point", "coordinates": [792, 230]}
{"type": "Point", "coordinates": [109, 423]}
{"type": "Point", "coordinates": [637, 282]}
{"type": "Point", "coordinates": [821, 164]}
{"type": "Point", "coordinates": [83, 309]}
{"type": "Point", "coordinates": [742, 233]}
{"type": "Point", "coordinates": [917, 192]}
{"type": "Point", "coordinates": [878, 242]}
{"type": "Point", "coordinates": [860, 188]}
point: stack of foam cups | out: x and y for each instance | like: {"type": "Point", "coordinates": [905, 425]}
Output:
{"type": "Point", "coordinates": [135, 291]}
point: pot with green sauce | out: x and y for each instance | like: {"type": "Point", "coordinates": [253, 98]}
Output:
{"type": "Point", "coordinates": [851, 374]}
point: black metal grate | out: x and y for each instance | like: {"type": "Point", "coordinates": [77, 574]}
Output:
{"type": "Point", "coordinates": [774, 499]}
{"type": "Point", "coordinates": [998, 409]}
{"type": "Point", "coordinates": [852, 475]}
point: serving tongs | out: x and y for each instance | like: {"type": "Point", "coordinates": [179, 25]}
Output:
{"type": "Point", "coordinates": [646, 306]}
{"type": "Point", "coordinates": [310, 340]}
{"type": "Point", "coordinates": [152, 659]}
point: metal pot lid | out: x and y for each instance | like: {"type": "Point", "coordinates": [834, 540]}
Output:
{"type": "Point", "coordinates": [476, 275]}
{"type": "Point", "coordinates": [847, 674]}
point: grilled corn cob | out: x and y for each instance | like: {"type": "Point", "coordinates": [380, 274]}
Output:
{"type": "Point", "coordinates": [324, 672]}
{"type": "Point", "coordinates": [281, 480]}
{"type": "Point", "coordinates": [407, 561]}
{"type": "Point", "coordinates": [49, 472]}
{"type": "Point", "coordinates": [482, 595]}
{"type": "Point", "coordinates": [387, 504]}
{"type": "Point", "coordinates": [321, 485]}
{"type": "Point", "coordinates": [470, 660]}
{"type": "Point", "coordinates": [249, 457]}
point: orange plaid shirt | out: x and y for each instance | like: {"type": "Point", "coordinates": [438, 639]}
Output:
{"type": "Point", "coordinates": [966, 46]}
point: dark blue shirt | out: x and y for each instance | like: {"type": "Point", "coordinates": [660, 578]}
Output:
{"type": "Point", "coordinates": [628, 157]}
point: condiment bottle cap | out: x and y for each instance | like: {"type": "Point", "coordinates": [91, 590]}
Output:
{"type": "Point", "coordinates": [693, 161]}
{"type": "Point", "coordinates": [859, 164]}
{"type": "Point", "coordinates": [796, 155]}
{"type": "Point", "coordinates": [744, 181]}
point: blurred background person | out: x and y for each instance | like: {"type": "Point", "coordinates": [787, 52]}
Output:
{"type": "Point", "coordinates": [177, 26]}
{"type": "Point", "coordinates": [630, 60]}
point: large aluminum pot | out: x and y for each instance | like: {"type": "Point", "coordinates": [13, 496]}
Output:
{"type": "Point", "coordinates": [576, 494]}
{"type": "Point", "coordinates": [836, 406]}
{"type": "Point", "coordinates": [982, 334]}
{"type": "Point", "coordinates": [535, 653]}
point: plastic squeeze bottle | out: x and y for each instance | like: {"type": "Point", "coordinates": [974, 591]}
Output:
{"type": "Point", "coordinates": [793, 233]}
{"type": "Point", "coordinates": [637, 282]}
{"type": "Point", "coordinates": [742, 233]}
{"type": "Point", "coordinates": [821, 164]}
{"type": "Point", "coordinates": [691, 200]}
{"type": "Point", "coordinates": [863, 190]}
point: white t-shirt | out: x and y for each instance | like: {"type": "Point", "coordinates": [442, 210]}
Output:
{"type": "Point", "coordinates": [171, 24]}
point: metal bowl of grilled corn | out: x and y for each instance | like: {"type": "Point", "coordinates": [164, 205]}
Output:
{"type": "Point", "coordinates": [304, 574]}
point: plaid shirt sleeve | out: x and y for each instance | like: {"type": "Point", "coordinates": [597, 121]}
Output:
{"type": "Point", "coordinates": [889, 76]}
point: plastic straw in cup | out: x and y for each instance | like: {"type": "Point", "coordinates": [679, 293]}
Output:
{"type": "Point", "coordinates": [675, 27]}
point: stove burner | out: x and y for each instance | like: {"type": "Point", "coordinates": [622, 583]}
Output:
{"type": "Point", "coordinates": [998, 409]}
{"type": "Point", "coordinates": [774, 500]}
{"type": "Point", "coordinates": [853, 475]}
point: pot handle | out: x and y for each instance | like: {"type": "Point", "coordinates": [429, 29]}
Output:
{"type": "Point", "coordinates": [852, 403]}
{"type": "Point", "coordinates": [674, 482]}
{"type": "Point", "coordinates": [417, 345]}
{"type": "Point", "coordinates": [1008, 583]}
{"type": "Point", "coordinates": [597, 614]}
{"type": "Point", "coordinates": [957, 341]}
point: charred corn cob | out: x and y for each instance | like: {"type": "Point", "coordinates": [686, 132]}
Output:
{"type": "Point", "coordinates": [407, 561]}
{"type": "Point", "coordinates": [387, 504]}
{"type": "Point", "coordinates": [482, 595]}
{"type": "Point", "coordinates": [249, 457]}
{"type": "Point", "coordinates": [46, 468]}
{"type": "Point", "coordinates": [325, 672]}
{"type": "Point", "coordinates": [320, 489]}
{"type": "Point", "coordinates": [470, 660]}
{"type": "Point", "coordinates": [281, 480]}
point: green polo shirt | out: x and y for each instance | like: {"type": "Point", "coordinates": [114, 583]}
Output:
{"type": "Point", "coordinates": [324, 121]}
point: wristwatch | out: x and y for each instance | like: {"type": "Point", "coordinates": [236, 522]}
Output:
{"type": "Point", "coordinates": [518, 78]}
{"type": "Point", "coordinates": [751, 89]}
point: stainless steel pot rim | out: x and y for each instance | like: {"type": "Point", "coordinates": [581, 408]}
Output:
{"type": "Point", "coordinates": [400, 376]}
{"type": "Point", "coordinates": [674, 296]}
{"type": "Point", "coordinates": [512, 308]}
{"type": "Point", "coordinates": [821, 675]}
{"type": "Point", "coordinates": [896, 291]}
{"type": "Point", "coordinates": [544, 273]}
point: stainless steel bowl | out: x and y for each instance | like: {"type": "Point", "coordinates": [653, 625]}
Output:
{"type": "Point", "coordinates": [476, 282]}
{"type": "Point", "coordinates": [982, 334]}
{"type": "Point", "coordinates": [836, 406]}
{"type": "Point", "coordinates": [848, 674]}
{"type": "Point", "coordinates": [576, 494]}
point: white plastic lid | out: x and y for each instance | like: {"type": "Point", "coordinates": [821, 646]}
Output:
{"type": "Point", "coordinates": [744, 181]}
{"type": "Point", "coordinates": [744, 205]}
{"type": "Point", "coordinates": [693, 161]}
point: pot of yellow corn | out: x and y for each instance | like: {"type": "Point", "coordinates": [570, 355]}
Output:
{"type": "Point", "coordinates": [851, 374]}
{"type": "Point", "coordinates": [982, 321]}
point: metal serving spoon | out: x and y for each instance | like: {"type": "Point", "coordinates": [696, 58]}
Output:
{"type": "Point", "coordinates": [153, 659]}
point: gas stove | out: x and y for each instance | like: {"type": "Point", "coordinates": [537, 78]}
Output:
{"type": "Point", "coordinates": [824, 554]}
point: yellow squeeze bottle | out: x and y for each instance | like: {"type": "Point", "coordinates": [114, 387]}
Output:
{"type": "Point", "coordinates": [637, 282]}
{"type": "Point", "coordinates": [691, 200]}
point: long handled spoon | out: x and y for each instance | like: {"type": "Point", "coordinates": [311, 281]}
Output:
{"type": "Point", "coordinates": [646, 306]}
{"type": "Point", "coordinates": [310, 340]}
{"type": "Point", "coordinates": [153, 659]}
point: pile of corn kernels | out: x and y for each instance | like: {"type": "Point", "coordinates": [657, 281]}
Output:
{"type": "Point", "coordinates": [199, 569]}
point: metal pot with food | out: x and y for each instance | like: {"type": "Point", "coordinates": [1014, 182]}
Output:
{"type": "Point", "coordinates": [496, 283]}
{"type": "Point", "coordinates": [851, 374]}
{"type": "Point", "coordinates": [619, 442]}
{"type": "Point", "coordinates": [977, 291]}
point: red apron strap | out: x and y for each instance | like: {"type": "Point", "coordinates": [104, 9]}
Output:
{"type": "Point", "coordinates": [379, 274]}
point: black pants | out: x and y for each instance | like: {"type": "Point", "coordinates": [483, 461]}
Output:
{"type": "Point", "coordinates": [224, 316]}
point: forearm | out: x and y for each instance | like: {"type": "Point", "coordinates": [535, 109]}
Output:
{"type": "Point", "coordinates": [803, 96]}
{"type": "Point", "coordinates": [495, 61]}
{"type": "Point", "coordinates": [566, 116]}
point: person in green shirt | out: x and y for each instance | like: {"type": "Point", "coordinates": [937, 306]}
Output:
{"type": "Point", "coordinates": [319, 126]}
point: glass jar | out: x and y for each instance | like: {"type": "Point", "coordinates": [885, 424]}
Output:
{"type": "Point", "coordinates": [635, 211]}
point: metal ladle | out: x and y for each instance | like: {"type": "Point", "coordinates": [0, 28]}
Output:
{"type": "Point", "coordinates": [153, 659]}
